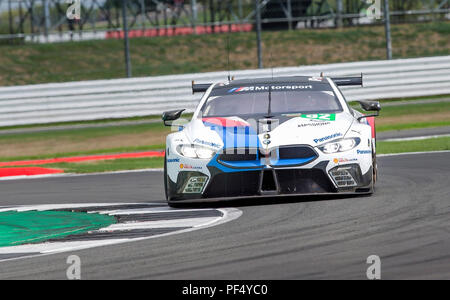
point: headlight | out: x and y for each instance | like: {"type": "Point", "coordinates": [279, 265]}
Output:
{"type": "Point", "coordinates": [340, 145]}
{"type": "Point", "coordinates": [194, 151]}
{"type": "Point", "coordinates": [188, 151]}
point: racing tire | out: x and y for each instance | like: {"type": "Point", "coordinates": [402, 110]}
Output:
{"type": "Point", "coordinates": [178, 205]}
{"type": "Point", "coordinates": [374, 171]}
{"type": "Point", "coordinates": [166, 193]}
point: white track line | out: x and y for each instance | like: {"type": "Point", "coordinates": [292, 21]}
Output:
{"type": "Point", "coordinates": [179, 223]}
{"type": "Point", "coordinates": [42, 207]}
{"type": "Point", "coordinates": [153, 210]}
{"type": "Point", "coordinates": [57, 247]}
{"type": "Point", "coordinates": [59, 175]}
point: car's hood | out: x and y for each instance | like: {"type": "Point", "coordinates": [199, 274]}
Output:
{"type": "Point", "coordinates": [311, 129]}
{"type": "Point", "coordinates": [233, 132]}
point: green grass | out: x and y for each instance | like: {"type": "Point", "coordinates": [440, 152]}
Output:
{"type": "Point", "coordinates": [414, 109]}
{"type": "Point", "coordinates": [86, 133]}
{"type": "Point", "coordinates": [110, 165]}
{"type": "Point", "coordinates": [106, 122]}
{"type": "Point", "coordinates": [93, 122]}
{"type": "Point", "coordinates": [82, 141]}
{"type": "Point", "coordinates": [86, 153]}
{"type": "Point", "coordinates": [393, 100]}
{"type": "Point", "coordinates": [433, 144]}
{"type": "Point", "coordinates": [88, 60]}
{"type": "Point", "coordinates": [418, 125]}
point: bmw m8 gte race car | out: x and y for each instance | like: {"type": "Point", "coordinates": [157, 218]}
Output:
{"type": "Point", "coordinates": [271, 137]}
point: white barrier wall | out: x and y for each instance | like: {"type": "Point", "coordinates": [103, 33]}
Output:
{"type": "Point", "coordinates": [119, 98]}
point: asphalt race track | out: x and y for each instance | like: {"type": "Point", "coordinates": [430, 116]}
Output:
{"type": "Point", "coordinates": [406, 222]}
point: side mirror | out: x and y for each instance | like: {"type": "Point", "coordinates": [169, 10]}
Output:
{"type": "Point", "coordinates": [171, 116]}
{"type": "Point", "coordinates": [370, 106]}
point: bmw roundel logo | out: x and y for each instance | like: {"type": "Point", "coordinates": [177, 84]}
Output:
{"type": "Point", "coordinates": [266, 142]}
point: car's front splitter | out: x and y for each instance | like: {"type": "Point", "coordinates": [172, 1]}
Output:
{"type": "Point", "coordinates": [301, 197]}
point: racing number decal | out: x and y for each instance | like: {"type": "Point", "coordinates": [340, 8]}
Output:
{"type": "Point", "coordinates": [323, 117]}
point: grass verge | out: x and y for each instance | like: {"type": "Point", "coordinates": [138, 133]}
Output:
{"type": "Point", "coordinates": [433, 144]}
{"type": "Point", "coordinates": [424, 98]}
{"type": "Point", "coordinates": [110, 165]}
{"type": "Point", "coordinates": [83, 141]}
{"type": "Point", "coordinates": [383, 147]}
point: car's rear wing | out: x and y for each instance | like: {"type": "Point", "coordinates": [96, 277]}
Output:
{"type": "Point", "coordinates": [348, 81]}
{"type": "Point", "coordinates": [200, 87]}
{"type": "Point", "coordinates": [339, 81]}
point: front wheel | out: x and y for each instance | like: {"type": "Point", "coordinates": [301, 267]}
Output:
{"type": "Point", "coordinates": [165, 179]}
{"type": "Point", "coordinates": [374, 171]}
{"type": "Point", "coordinates": [177, 205]}
{"type": "Point", "coordinates": [374, 166]}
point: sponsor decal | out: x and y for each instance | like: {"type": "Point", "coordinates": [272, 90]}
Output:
{"type": "Point", "coordinates": [328, 137]}
{"type": "Point", "coordinates": [313, 124]}
{"type": "Point", "coordinates": [273, 88]}
{"type": "Point", "coordinates": [211, 144]}
{"type": "Point", "coordinates": [320, 117]}
{"type": "Point", "coordinates": [173, 160]}
{"type": "Point", "coordinates": [189, 167]}
{"type": "Point", "coordinates": [344, 160]}
{"type": "Point", "coordinates": [364, 151]}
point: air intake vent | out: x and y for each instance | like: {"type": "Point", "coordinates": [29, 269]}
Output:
{"type": "Point", "coordinates": [294, 152]}
{"type": "Point", "coordinates": [239, 154]}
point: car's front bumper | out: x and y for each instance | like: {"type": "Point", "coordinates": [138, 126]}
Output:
{"type": "Point", "coordinates": [268, 182]}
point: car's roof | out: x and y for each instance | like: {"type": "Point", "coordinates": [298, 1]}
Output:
{"type": "Point", "coordinates": [278, 80]}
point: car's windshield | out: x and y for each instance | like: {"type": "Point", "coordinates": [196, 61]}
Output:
{"type": "Point", "coordinates": [253, 103]}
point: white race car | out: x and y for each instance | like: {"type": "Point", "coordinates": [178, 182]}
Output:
{"type": "Point", "coordinates": [271, 137]}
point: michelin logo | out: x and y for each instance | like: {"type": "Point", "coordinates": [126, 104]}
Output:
{"type": "Point", "coordinates": [326, 138]}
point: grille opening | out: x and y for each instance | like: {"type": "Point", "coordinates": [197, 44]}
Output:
{"type": "Point", "coordinates": [296, 152]}
{"type": "Point", "coordinates": [298, 181]}
{"type": "Point", "coordinates": [233, 184]}
{"type": "Point", "coordinates": [239, 154]}
{"type": "Point", "coordinates": [268, 182]}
